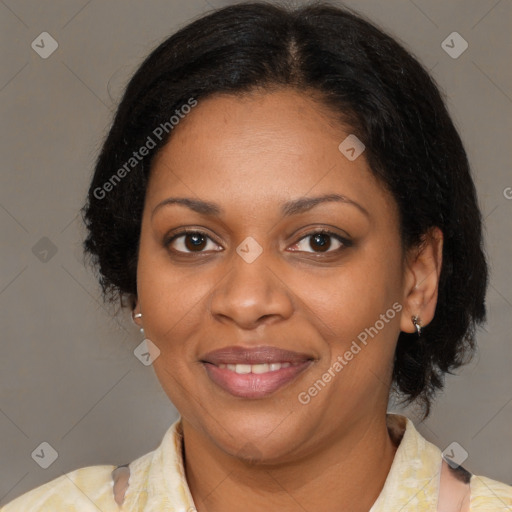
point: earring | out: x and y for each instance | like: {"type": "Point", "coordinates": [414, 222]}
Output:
{"type": "Point", "coordinates": [417, 325]}
{"type": "Point", "coordinates": [138, 315]}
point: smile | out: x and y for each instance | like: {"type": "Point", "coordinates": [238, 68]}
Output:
{"type": "Point", "coordinates": [254, 380]}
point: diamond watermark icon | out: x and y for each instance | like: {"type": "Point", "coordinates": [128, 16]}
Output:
{"type": "Point", "coordinates": [146, 352]}
{"type": "Point", "coordinates": [249, 249]}
{"type": "Point", "coordinates": [454, 454]}
{"type": "Point", "coordinates": [44, 45]}
{"type": "Point", "coordinates": [351, 147]}
{"type": "Point", "coordinates": [249, 453]}
{"type": "Point", "coordinates": [44, 249]}
{"type": "Point", "coordinates": [45, 455]}
{"type": "Point", "coordinates": [454, 45]}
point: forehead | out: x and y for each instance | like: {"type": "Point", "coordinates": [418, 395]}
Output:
{"type": "Point", "coordinates": [266, 146]}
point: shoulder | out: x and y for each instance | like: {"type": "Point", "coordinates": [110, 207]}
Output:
{"type": "Point", "coordinates": [85, 489]}
{"type": "Point", "coordinates": [91, 488]}
{"type": "Point", "coordinates": [418, 460]}
{"type": "Point", "coordinates": [489, 495]}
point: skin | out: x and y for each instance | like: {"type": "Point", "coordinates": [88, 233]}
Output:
{"type": "Point", "coordinates": [249, 155]}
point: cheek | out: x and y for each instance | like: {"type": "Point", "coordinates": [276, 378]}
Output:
{"type": "Point", "coordinates": [352, 297]}
{"type": "Point", "coordinates": [357, 310]}
{"type": "Point", "coordinates": [172, 309]}
{"type": "Point", "coordinates": [170, 298]}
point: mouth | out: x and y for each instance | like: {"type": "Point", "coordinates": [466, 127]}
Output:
{"type": "Point", "coordinates": [256, 372]}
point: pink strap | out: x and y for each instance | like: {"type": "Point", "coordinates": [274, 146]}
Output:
{"type": "Point", "coordinates": [120, 476]}
{"type": "Point", "coordinates": [454, 489]}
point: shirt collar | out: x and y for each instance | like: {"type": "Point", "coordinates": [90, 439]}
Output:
{"type": "Point", "coordinates": [413, 479]}
{"type": "Point", "coordinates": [412, 482]}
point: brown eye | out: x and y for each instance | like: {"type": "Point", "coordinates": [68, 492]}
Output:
{"type": "Point", "coordinates": [190, 241]}
{"type": "Point", "coordinates": [321, 241]}
{"type": "Point", "coordinates": [195, 241]}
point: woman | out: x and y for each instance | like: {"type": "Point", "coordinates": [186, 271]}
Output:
{"type": "Point", "coordinates": [287, 207]}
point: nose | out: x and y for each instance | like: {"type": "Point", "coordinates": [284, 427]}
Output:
{"type": "Point", "coordinates": [251, 294]}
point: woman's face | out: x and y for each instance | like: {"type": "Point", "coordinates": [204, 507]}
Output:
{"type": "Point", "coordinates": [258, 276]}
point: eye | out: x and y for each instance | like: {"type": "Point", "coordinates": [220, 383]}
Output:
{"type": "Point", "coordinates": [192, 241]}
{"type": "Point", "coordinates": [321, 240]}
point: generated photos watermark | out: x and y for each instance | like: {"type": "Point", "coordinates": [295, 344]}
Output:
{"type": "Point", "coordinates": [305, 397]}
{"type": "Point", "coordinates": [158, 133]}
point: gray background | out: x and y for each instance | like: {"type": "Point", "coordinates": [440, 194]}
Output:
{"type": "Point", "coordinates": [67, 370]}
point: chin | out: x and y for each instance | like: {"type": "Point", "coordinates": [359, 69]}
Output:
{"type": "Point", "coordinates": [259, 439]}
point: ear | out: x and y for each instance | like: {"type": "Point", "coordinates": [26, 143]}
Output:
{"type": "Point", "coordinates": [421, 280]}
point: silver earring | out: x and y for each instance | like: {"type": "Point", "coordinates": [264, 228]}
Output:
{"type": "Point", "coordinates": [417, 325]}
{"type": "Point", "coordinates": [138, 315]}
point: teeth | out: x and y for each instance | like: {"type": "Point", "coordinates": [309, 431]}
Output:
{"type": "Point", "coordinates": [255, 368]}
{"type": "Point", "coordinates": [243, 368]}
{"type": "Point", "coordinates": [259, 368]}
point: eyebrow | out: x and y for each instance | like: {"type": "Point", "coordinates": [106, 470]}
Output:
{"type": "Point", "coordinates": [288, 209]}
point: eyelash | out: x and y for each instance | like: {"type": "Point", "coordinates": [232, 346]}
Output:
{"type": "Point", "coordinates": [344, 241]}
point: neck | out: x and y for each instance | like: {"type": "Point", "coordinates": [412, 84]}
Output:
{"type": "Point", "coordinates": [341, 473]}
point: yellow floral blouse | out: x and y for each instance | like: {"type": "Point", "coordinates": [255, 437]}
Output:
{"type": "Point", "coordinates": [157, 482]}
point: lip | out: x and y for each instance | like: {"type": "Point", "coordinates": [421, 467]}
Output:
{"type": "Point", "coordinates": [254, 385]}
{"type": "Point", "coordinates": [255, 355]}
